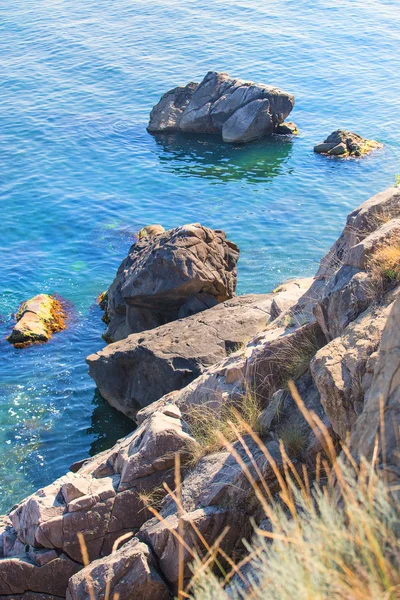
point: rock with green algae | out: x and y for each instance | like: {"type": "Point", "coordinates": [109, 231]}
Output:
{"type": "Point", "coordinates": [342, 143]}
{"type": "Point", "coordinates": [37, 319]}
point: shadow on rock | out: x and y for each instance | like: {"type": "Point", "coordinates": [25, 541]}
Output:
{"type": "Point", "coordinates": [188, 155]}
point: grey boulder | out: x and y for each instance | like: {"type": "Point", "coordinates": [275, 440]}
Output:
{"type": "Point", "coordinates": [241, 111]}
{"type": "Point", "coordinates": [170, 275]}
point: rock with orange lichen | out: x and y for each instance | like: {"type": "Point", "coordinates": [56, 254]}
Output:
{"type": "Point", "coordinates": [37, 319]}
{"type": "Point", "coordinates": [342, 143]}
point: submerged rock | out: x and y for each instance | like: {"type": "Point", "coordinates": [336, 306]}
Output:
{"type": "Point", "coordinates": [241, 111]}
{"type": "Point", "coordinates": [170, 275]}
{"type": "Point", "coordinates": [344, 143]}
{"type": "Point", "coordinates": [37, 319]}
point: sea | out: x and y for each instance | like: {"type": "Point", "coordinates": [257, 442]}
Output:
{"type": "Point", "coordinates": [80, 175]}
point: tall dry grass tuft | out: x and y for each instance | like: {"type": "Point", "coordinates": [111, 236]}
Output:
{"type": "Point", "coordinates": [337, 538]}
{"type": "Point", "coordinates": [207, 422]}
{"type": "Point", "coordinates": [385, 262]}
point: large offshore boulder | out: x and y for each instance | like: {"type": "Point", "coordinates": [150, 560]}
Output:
{"type": "Point", "coordinates": [134, 372]}
{"type": "Point", "coordinates": [241, 111]}
{"type": "Point", "coordinates": [170, 275]}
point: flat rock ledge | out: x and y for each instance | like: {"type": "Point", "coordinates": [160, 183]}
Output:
{"type": "Point", "coordinates": [37, 320]}
{"type": "Point", "coordinates": [241, 111]}
{"type": "Point", "coordinates": [342, 143]}
{"type": "Point", "coordinates": [134, 372]}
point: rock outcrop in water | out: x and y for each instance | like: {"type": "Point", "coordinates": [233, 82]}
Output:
{"type": "Point", "coordinates": [339, 339]}
{"type": "Point", "coordinates": [168, 276]}
{"type": "Point", "coordinates": [241, 111]}
{"type": "Point", "coordinates": [343, 143]}
{"type": "Point", "coordinates": [37, 320]}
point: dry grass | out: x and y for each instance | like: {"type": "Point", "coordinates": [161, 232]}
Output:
{"type": "Point", "coordinates": [336, 539]}
{"type": "Point", "coordinates": [153, 498]}
{"type": "Point", "coordinates": [294, 438]}
{"type": "Point", "coordinates": [384, 265]}
{"type": "Point", "coordinates": [207, 423]}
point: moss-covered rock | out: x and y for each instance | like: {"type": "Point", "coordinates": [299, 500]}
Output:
{"type": "Point", "coordinates": [343, 143]}
{"type": "Point", "coordinates": [37, 319]}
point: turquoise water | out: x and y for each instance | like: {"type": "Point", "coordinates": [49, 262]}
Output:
{"type": "Point", "coordinates": [79, 173]}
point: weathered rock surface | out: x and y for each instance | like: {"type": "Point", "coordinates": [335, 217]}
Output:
{"type": "Point", "coordinates": [20, 575]}
{"type": "Point", "coordinates": [151, 230]}
{"type": "Point", "coordinates": [37, 319]}
{"type": "Point", "coordinates": [279, 355]}
{"type": "Point", "coordinates": [344, 143]}
{"type": "Point", "coordinates": [383, 400]}
{"type": "Point", "coordinates": [361, 222]}
{"type": "Point", "coordinates": [360, 253]}
{"type": "Point", "coordinates": [287, 294]}
{"type": "Point", "coordinates": [338, 369]}
{"type": "Point", "coordinates": [168, 276]}
{"type": "Point", "coordinates": [346, 295]}
{"type": "Point", "coordinates": [135, 372]}
{"type": "Point", "coordinates": [241, 111]}
{"type": "Point", "coordinates": [131, 572]}
{"type": "Point", "coordinates": [102, 501]}
{"type": "Point", "coordinates": [288, 128]}
{"type": "Point", "coordinates": [210, 522]}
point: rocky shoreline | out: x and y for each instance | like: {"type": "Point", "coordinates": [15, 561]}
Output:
{"type": "Point", "coordinates": [186, 352]}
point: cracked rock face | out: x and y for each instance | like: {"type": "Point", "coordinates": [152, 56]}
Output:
{"type": "Point", "coordinates": [339, 368]}
{"type": "Point", "coordinates": [137, 371]}
{"type": "Point", "coordinates": [241, 111]}
{"type": "Point", "coordinates": [383, 398]}
{"type": "Point", "coordinates": [170, 275]}
{"type": "Point", "coordinates": [39, 548]}
{"type": "Point", "coordinates": [131, 571]}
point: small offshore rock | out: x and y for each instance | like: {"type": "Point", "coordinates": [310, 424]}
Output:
{"type": "Point", "coordinates": [344, 143]}
{"type": "Point", "coordinates": [37, 319]}
{"type": "Point", "coordinates": [287, 128]}
{"type": "Point", "coordinates": [241, 111]}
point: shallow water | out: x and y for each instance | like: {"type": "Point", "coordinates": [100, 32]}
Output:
{"type": "Point", "coordinates": [79, 173]}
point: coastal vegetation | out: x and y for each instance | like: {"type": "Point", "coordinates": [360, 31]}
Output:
{"type": "Point", "coordinates": [335, 538]}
